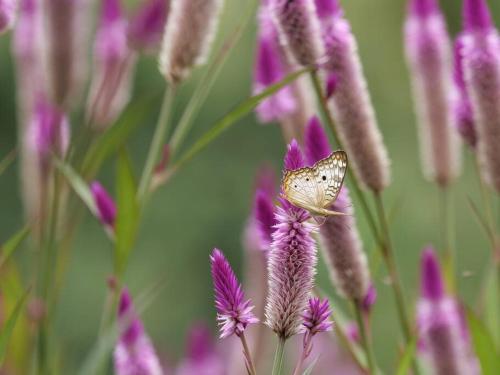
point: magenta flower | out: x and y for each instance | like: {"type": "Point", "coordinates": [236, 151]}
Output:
{"type": "Point", "coordinates": [299, 29]}
{"type": "Point", "coordinates": [340, 239]}
{"type": "Point", "coordinates": [291, 263]}
{"type": "Point", "coordinates": [439, 323]}
{"type": "Point", "coordinates": [134, 353]}
{"type": "Point", "coordinates": [7, 14]}
{"type": "Point", "coordinates": [106, 208]}
{"type": "Point", "coordinates": [317, 316]}
{"type": "Point", "coordinates": [351, 105]}
{"type": "Point", "coordinates": [481, 67]}
{"type": "Point", "coordinates": [464, 118]}
{"type": "Point", "coordinates": [428, 51]}
{"type": "Point", "coordinates": [114, 63]}
{"type": "Point", "coordinates": [269, 69]}
{"type": "Point", "coordinates": [370, 299]}
{"type": "Point", "coordinates": [233, 312]}
{"type": "Point", "coordinates": [146, 27]}
{"type": "Point", "coordinates": [264, 217]}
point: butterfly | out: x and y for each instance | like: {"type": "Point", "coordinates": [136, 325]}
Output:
{"type": "Point", "coordinates": [316, 188]}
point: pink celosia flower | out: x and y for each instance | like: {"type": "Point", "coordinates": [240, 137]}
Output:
{"type": "Point", "coordinates": [269, 69]}
{"type": "Point", "coordinates": [146, 27]}
{"type": "Point", "coordinates": [7, 14]}
{"type": "Point", "coordinates": [481, 67]}
{"type": "Point", "coordinates": [106, 208]}
{"type": "Point", "coordinates": [292, 262]}
{"type": "Point", "coordinates": [134, 353]}
{"type": "Point", "coordinates": [233, 312]}
{"type": "Point", "coordinates": [429, 57]}
{"type": "Point", "coordinates": [439, 322]}
{"type": "Point", "coordinates": [299, 29]}
{"type": "Point", "coordinates": [113, 68]}
{"type": "Point", "coordinates": [370, 299]}
{"type": "Point", "coordinates": [188, 36]}
{"type": "Point", "coordinates": [356, 124]}
{"type": "Point", "coordinates": [340, 239]}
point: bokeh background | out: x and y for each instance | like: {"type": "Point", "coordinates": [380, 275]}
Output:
{"type": "Point", "coordinates": [208, 201]}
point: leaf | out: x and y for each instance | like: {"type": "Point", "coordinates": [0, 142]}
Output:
{"type": "Point", "coordinates": [127, 218]}
{"type": "Point", "coordinates": [12, 244]}
{"type": "Point", "coordinates": [9, 325]}
{"type": "Point", "coordinates": [484, 345]}
{"type": "Point", "coordinates": [116, 135]}
{"type": "Point", "coordinates": [406, 359]}
{"type": "Point", "coordinates": [308, 370]}
{"type": "Point", "coordinates": [492, 304]}
{"type": "Point", "coordinates": [79, 185]}
{"type": "Point", "coordinates": [7, 161]}
{"type": "Point", "coordinates": [229, 119]}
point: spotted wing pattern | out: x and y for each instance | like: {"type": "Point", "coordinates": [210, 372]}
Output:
{"type": "Point", "coordinates": [315, 188]}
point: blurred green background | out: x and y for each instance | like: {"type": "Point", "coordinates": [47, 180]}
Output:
{"type": "Point", "coordinates": [208, 201]}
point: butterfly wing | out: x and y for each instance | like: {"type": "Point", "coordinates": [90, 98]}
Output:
{"type": "Point", "coordinates": [329, 175]}
{"type": "Point", "coordinates": [299, 187]}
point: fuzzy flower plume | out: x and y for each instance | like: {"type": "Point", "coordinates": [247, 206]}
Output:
{"type": "Point", "coordinates": [341, 243]}
{"type": "Point", "coordinates": [66, 29]}
{"type": "Point", "coordinates": [351, 103]}
{"type": "Point", "coordinates": [233, 312]}
{"type": "Point", "coordinates": [440, 324]}
{"type": "Point", "coordinates": [134, 353]}
{"type": "Point", "coordinates": [7, 14]}
{"type": "Point", "coordinates": [291, 262]}
{"type": "Point", "coordinates": [145, 29]}
{"type": "Point", "coordinates": [188, 36]}
{"type": "Point", "coordinates": [481, 68]}
{"type": "Point", "coordinates": [270, 68]}
{"type": "Point", "coordinates": [299, 29]}
{"type": "Point", "coordinates": [464, 119]}
{"type": "Point", "coordinates": [106, 208]}
{"type": "Point", "coordinates": [114, 63]}
{"type": "Point", "coordinates": [429, 58]}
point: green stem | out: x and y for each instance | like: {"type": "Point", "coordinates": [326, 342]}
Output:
{"type": "Point", "coordinates": [248, 355]}
{"type": "Point", "coordinates": [157, 142]}
{"type": "Point", "coordinates": [365, 339]}
{"type": "Point", "coordinates": [446, 220]}
{"type": "Point", "coordinates": [278, 357]}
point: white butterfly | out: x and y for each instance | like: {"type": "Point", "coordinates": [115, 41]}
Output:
{"type": "Point", "coordinates": [316, 188]}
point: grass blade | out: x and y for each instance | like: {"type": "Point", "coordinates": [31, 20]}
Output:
{"type": "Point", "coordinates": [127, 218]}
{"type": "Point", "coordinates": [12, 244]}
{"type": "Point", "coordinates": [406, 359]}
{"type": "Point", "coordinates": [9, 325]}
{"type": "Point", "coordinates": [308, 370]}
{"type": "Point", "coordinates": [7, 161]}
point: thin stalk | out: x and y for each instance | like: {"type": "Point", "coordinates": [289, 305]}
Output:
{"type": "Point", "coordinates": [446, 221]}
{"type": "Point", "coordinates": [370, 358]}
{"type": "Point", "coordinates": [303, 356]}
{"type": "Point", "coordinates": [157, 142]}
{"type": "Point", "coordinates": [278, 357]}
{"type": "Point", "coordinates": [248, 355]}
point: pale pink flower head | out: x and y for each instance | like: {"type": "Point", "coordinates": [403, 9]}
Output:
{"type": "Point", "coordinates": [234, 313]}
{"type": "Point", "coordinates": [7, 14]}
{"type": "Point", "coordinates": [134, 353]}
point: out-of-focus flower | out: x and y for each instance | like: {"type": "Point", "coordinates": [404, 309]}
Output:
{"type": "Point", "coordinates": [146, 27]}
{"type": "Point", "coordinates": [264, 217]}
{"type": "Point", "coordinates": [439, 322]}
{"type": "Point", "coordinates": [66, 29]}
{"type": "Point", "coordinates": [270, 68]}
{"type": "Point", "coordinates": [299, 29]}
{"type": "Point", "coordinates": [233, 312]}
{"type": "Point", "coordinates": [429, 58]}
{"type": "Point", "coordinates": [134, 353]}
{"type": "Point", "coordinates": [114, 63]}
{"type": "Point", "coordinates": [464, 118]}
{"type": "Point", "coordinates": [481, 67]}
{"type": "Point", "coordinates": [188, 36]}
{"type": "Point", "coordinates": [351, 105]}
{"type": "Point", "coordinates": [106, 208]}
{"type": "Point", "coordinates": [201, 357]}
{"type": "Point", "coordinates": [291, 263]}
{"type": "Point", "coordinates": [370, 299]}
{"type": "Point", "coordinates": [340, 239]}
{"type": "Point", "coordinates": [7, 14]}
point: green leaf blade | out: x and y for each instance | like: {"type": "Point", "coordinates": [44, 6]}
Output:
{"type": "Point", "coordinates": [12, 244]}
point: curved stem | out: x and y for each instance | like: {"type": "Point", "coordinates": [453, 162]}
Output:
{"type": "Point", "coordinates": [278, 357]}
{"type": "Point", "coordinates": [157, 142]}
{"type": "Point", "coordinates": [370, 358]}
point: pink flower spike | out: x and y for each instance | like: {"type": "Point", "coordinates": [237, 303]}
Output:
{"type": "Point", "coordinates": [146, 27]}
{"type": "Point", "coordinates": [294, 158]}
{"type": "Point", "coordinates": [106, 208]}
{"type": "Point", "coordinates": [134, 353]}
{"type": "Point", "coordinates": [233, 312]}
{"type": "Point", "coordinates": [370, 299]}
{"type": "Point", "coordinates": [316, 142]}
{"type": "Point", "coordinates": [317, 316]}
